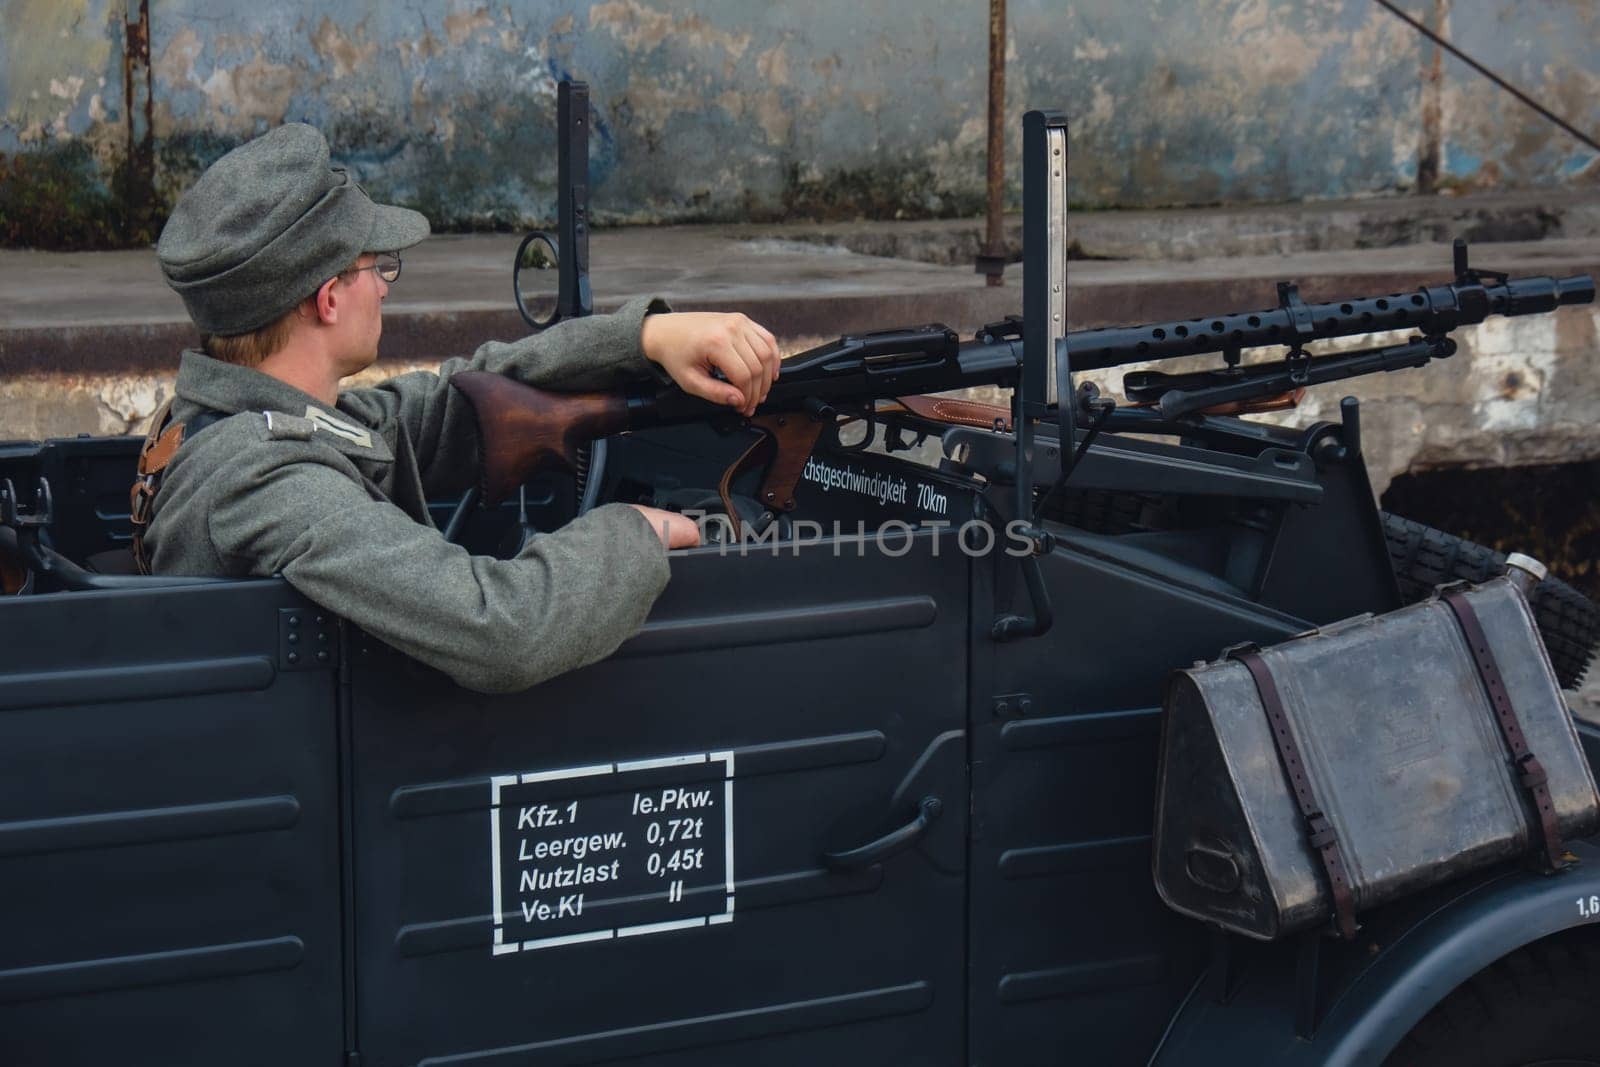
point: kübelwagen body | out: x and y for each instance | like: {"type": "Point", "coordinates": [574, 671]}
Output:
{"type": "Point", "coordinates": [864, 789]}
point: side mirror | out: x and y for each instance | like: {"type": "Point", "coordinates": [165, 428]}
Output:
{"type": "Point", "coordinates": [536, 280]}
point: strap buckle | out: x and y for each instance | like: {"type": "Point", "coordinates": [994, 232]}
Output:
{"type": "Point", "coordinates": [1531, 771]}
{"type": "Point", "coordinates": [1321, 830]}
{"type": "Point", "coordinates": [140, 500]}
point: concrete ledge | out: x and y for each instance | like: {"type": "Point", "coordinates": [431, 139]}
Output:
{"type": "Point", "coordinates": [101, 313]}
{"type": "Point", "coordinates": [1243, 230]}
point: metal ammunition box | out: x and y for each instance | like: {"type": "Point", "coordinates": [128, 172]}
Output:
{"type": "Point", "coordinates": [1402, 751]}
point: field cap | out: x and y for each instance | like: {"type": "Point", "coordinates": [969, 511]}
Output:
{"type": "Point", "coordinates": [266, 225]}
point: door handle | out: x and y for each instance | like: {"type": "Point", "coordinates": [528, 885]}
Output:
{"type": "Point", "coordinates": [928, 809]}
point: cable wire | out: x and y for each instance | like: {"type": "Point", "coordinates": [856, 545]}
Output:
{"type": "Point", "coordinates": [1491, 75]}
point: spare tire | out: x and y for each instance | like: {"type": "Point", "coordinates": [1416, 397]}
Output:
{"type": "Point", "coordinates": [1424, 557]}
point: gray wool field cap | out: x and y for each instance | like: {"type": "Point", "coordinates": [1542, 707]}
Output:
{"type": "Point", "coordinates": [266, 225]}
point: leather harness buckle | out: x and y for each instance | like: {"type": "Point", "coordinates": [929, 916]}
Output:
{"type": "Point", "coordinates": [1321, 829]}
{"type": "Point", "coordinates": [1532, 771]}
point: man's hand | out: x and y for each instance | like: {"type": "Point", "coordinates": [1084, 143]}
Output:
{"type": "Point", "coordinates": [675, 531]}
{"type": "Point", "coordinates": [690, 345]}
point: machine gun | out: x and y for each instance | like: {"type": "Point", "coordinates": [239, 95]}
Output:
{"type": "Point", "coordinates": [526, 430]}
{"type": "Point", "coordinates": [1433, 311]}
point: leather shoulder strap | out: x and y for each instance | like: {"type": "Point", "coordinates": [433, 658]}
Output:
{"type": "Point", "coordinates": [161, 443]}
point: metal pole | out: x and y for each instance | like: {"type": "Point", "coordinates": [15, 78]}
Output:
{"type": "Point", "coordinates": [1432, 82]}
{"type": "Point", "coordinates": [992, 260]}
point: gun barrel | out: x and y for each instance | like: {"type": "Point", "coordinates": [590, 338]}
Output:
{"type": "Point", "coordinates": [1431, 310]}
{"type": "Point", "coordinates": [1578, 289]}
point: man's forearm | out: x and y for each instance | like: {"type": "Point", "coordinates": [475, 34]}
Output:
{"type": "Point", "coordinates": [597, 352]}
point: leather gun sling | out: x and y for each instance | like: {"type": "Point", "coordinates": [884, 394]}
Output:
{"type": "Point", "coordinates": [1320, 832]}
{"type": "Point", "coordinates": [956, 412]}
{"type": "Point", "coordinates": [1530, 773]}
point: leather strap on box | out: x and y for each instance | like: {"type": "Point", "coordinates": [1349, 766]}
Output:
{"type": "Point", "coordinates": [1530, 773]}
{"type": "Point", "coordinates": [1319, 831]}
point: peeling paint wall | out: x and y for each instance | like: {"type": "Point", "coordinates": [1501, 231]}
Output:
{"type": "Point", "coordinates": [707, 109]}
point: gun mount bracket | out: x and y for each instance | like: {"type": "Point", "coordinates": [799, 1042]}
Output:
{"type": "Point", "coordinates": [1305, 327]}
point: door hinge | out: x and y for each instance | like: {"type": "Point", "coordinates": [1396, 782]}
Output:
{"type": "Point", "coordinates": [1013, 705]}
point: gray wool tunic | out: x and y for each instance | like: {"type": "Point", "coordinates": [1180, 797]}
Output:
{"type": "Point", "coordinates": [336, 502]}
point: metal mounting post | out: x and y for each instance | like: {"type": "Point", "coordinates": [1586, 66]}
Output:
{"type": "Point", "coordinates": [572, 198]}
{"type": "Point", "coordinates": [1044, 252]}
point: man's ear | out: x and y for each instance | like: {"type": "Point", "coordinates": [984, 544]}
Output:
{"type": "Point", "coordinates": [325, 303]}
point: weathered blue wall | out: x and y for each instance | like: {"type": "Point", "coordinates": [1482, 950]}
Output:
{"type": "Point", "coordinates": [706, 109]}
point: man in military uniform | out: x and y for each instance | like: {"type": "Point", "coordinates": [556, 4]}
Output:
{"type": "Point", "coordinates": [283, 263]}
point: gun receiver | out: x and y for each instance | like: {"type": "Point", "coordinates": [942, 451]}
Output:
{"type": "Point", "coordinates": [524, 430]}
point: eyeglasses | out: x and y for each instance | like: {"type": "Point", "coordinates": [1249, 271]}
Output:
{"type": "Point", "coordinates": [387, 264]}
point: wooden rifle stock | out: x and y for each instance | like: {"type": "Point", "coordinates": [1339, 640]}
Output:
{"type": "Point", "coordinates": [523, 430]}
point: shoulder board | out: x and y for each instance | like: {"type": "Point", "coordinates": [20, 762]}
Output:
{"type": "Point", "coordinates": [282, 427]}
{"type": "Point", "coordinates": [338, 427]}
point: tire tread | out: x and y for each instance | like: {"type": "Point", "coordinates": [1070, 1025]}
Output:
{"type": "Point", "coordinates": [1536, 1001]}
{"type": "Point", "coordinates": [1569, 622]}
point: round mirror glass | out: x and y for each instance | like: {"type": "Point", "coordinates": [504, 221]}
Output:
{"type": "Point", "coordinates": [536, 279]}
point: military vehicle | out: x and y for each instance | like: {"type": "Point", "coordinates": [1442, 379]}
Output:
{"type": "Point", "coordinates": [859, 792]}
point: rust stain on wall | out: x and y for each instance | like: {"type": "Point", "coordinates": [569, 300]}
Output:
{"type": "Point", "coordinates": [335, 47]}
{"type": "Point", "coordinates": [838, 107]}
{"type": "Point", "coordinates": [258, 89]}
{"type": "Point", "coordinates": [462, 25]}
{"type": "Point", "coordinates": [642, 28]}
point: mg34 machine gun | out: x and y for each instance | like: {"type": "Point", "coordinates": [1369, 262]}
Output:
{"type": "Point", "coordinates": [1000, 750]}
